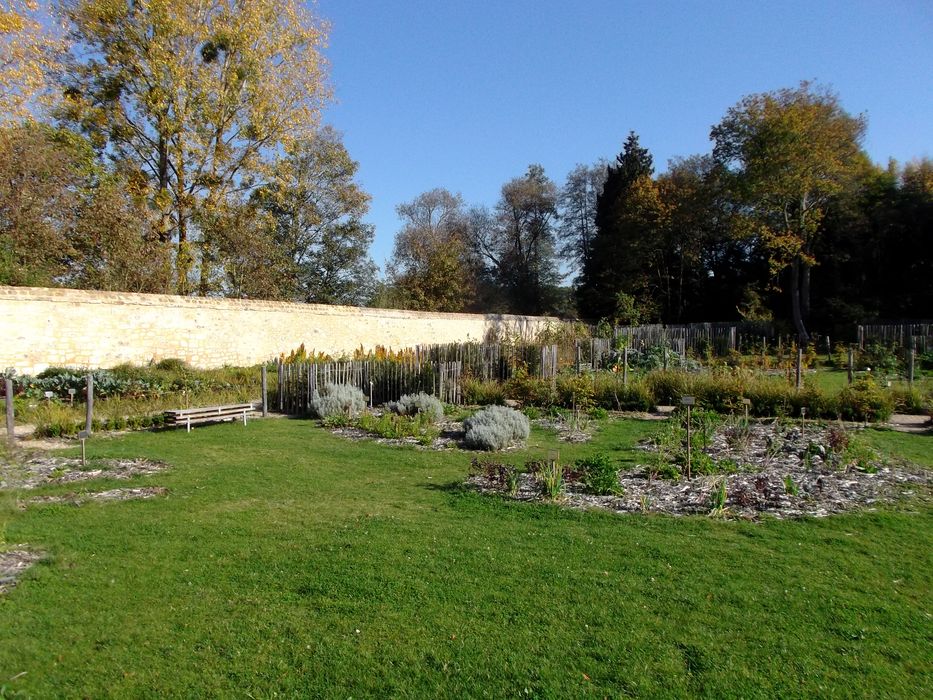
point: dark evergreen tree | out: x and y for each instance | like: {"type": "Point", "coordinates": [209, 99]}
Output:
{"type": "Point", "coordinates": [615, 261]}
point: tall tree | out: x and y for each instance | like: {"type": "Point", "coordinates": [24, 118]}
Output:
{"type": "Point", "coordinates": [627, 211]}
{"type": "Point", "coordinates": [199, 96]}
{"type": "Point", "coordinates": [577, 207]}
{"type": "Point", "coordinates": [790, 151]}
{"type": "Point", "coordinates": [430, 268]}
{"type": "Point", "coordinates": [516, 245]}
{"type": "Point", "coordinates": [317, 209]}
{"type": "Point", "coordinates": [65, 219]}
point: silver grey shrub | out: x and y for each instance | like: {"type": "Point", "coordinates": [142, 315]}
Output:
{"type": "Point", "coordinates": [413, 404]}
{"type": "Point", "coordinates": [495, 428]}
{"type": "Point", "coordinates": [338, 399]}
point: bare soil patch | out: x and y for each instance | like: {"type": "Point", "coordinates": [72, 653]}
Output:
{"type": "Point", "coordinates": [125, 494]}
{"type": "Point", "coordinates": [13, 564]}
{"type": "Point", "coordinates": [43, 470]}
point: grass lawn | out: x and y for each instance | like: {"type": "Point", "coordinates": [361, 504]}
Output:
{"type": "Point", "coordinates": [288, 561]}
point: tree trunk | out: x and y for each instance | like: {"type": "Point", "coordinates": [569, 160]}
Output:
{"type": "Point", "coordinates": [183, 258]}
{"type": "Point", "coordinates": [805, 291]}
{"type": "Point", "coordinates": [796, 314]}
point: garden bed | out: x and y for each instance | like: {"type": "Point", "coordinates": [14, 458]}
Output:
{"type": "Point", "coordinates": [775, 469]}
{"type": "Point", "coordinates": [48, 470]}
{"type": "Point", "coordinates": [124, 494]}
{"type": "Point", "coordinates": [13, 564]}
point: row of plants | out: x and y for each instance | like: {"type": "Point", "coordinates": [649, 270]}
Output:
{"type": "Point", "coordinates": [169, 376]}
{"type": "Point", "coordinates": [416, 416]}
{"type": "Point", "coordinates": [840, 449]}
{"type": "Point", "coordinates": [597, 474]}
{"type": "Point", "coordinates": [62, 419]}
{"type": "Point", "coordinates": [722, 391]}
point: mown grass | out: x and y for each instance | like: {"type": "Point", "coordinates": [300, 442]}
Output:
{"type": "Point", "coordinates": [288, 561]}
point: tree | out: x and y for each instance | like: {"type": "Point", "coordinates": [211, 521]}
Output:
{"type": "Point", "coordinates": [516, 244]}
{"type": "Point", "coordinates": [65, 219]}
{"type": "Point", "coordinates": [577, 207]}
{"type": "Point", "coordinates": [430, 268]}
{"type": "Point", "coordinates": [29, 52]}
{"type": "Point", "coordinates": [317, 209]}
{"type": "Point", "coordinates": [789, 152]}
{"type": "Point", "coordinates": [41, 172]}
{"type": "Point", "coordinates": [627, 214]}
{"type": "Point", "coordinates": [200, 97]}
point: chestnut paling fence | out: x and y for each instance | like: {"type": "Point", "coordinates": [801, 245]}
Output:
{"type": "Point", "coordinates": [380, 380]}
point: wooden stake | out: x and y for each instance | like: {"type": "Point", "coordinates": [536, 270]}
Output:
{"type": "Point", "coordinates": [265, 393]}
{"type": "Point", "coordinates": [89, 418]}
{"type": "Point", "coordinates": [10, 424]}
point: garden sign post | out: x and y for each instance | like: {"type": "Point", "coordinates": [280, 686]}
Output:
{"type": "Point", "coordinates": [90, 404]}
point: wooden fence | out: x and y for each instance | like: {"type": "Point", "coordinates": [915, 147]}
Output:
{"type": "Point", "coordinates": [380, 380]}
{"type": "Point", "coordinates": [489, 361]}
{"type": "Point", "coordinates": [918, 335]}
{"type": "Point", "coordinates": [718, 338]}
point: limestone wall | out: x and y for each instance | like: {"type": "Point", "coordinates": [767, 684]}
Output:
{"type": "Point", "coordinates": [66, 327]}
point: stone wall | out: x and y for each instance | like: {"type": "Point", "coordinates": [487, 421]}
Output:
{"type": "Point", "coordinates": [75, 328]}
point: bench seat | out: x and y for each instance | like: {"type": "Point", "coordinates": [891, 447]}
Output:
{"type": "Point", "coordinates": [209, 414]}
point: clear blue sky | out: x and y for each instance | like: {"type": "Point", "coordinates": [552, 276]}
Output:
{"type": "Point", "coordinates": [465, 95]}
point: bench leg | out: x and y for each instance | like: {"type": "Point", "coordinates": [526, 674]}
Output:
{"type": "Point", "coordinates": [244, 417]}
{"type": "Point", "coordinates": [189, 424]}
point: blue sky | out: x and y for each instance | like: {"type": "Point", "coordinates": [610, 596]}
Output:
{"type": "Point", "coordinates": [465, 95]}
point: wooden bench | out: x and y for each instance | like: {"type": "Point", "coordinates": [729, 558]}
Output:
{"type": "Point", "coordinates": [208, 414]}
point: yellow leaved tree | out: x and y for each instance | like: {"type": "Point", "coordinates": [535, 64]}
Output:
{"type": "Point", "coordinates": [30, 48]}
{"type": "Point", "coordinates": [201, 97]}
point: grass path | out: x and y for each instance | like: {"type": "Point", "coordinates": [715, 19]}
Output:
{"type": "Point", "coordinates": [288, 561]}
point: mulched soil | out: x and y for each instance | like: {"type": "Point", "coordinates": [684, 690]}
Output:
{"type": "Point", "coordinates": [13, 564]}
{"type": "Point", "coordinates": [77, 499]}
{"type": "Point", "coordinates": [45, 470]}
{"type": "Point", "coordinates": [782, 472]}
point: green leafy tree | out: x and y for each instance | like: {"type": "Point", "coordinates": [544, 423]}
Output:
{"type": "Point", "coordinates": [431, 268]}
{"type": "Point", "coordinates": [316, 209]}
{"type": "Point", "coordinates": [66, 219]}
{"type": "Point", "coordinates": [515, 244]}
{"type": "Point", "coordinates": [789, 152]}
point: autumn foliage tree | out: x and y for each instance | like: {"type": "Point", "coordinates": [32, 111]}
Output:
{"type": "Point", "coordinates": [30, 49]}
{"type": "Point", "coordinates": [199, 97]}
{"type": "Point", "coordinates": [430, 269]}
{"type": "Point", "coordinates": [790, 152]}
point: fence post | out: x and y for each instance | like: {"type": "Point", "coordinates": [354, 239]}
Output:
{"type": "Point", "coordinates": [799, 365]}
{"type": "Point", "coordinates": [625, 366]}
{"type": "Point", "coordinates": [265, 393]}
{"type": "Point", "coordinates": [278, 386]}
{"type": "Point", "coordinates": [89, 418]}
{"type": "Point", "coordinates": [10, 424]}
{"type": "Point", "coordinates": [851, 363]}
{"type": "Point", "coordinates": [910, 364]}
